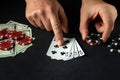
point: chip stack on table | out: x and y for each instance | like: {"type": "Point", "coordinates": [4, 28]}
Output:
{"type": "Point", "coordinates": [15, 38]}
{"type": "Point", "coordinates": [71, 49]}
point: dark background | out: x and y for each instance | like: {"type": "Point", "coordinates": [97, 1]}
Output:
{"type": "Point", "coordinates": [98, 64]}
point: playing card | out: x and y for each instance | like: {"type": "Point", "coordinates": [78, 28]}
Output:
{"type": "Point", "coordinates": [62, 52]}
{"type": "Point", "coordinates": [71, 53]}
{"type": "Point", "coordinates": [66, 52]}
{"type": "Point", "coordinates": [75, 53]}
{"type": "Point", "coordinates": [79, 49]}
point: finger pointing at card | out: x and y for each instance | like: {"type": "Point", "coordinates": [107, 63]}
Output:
{"type": "Point", "coordinates": [49, 15]}
{"type": "Point", "coordinates": [59, 25]}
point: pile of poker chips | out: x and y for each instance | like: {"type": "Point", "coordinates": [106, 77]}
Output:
{"type": "Point", "coordinates": [94, 39]}
{"type": "Point", "coordinates": [114, 45]}
{"type": "Point", "coordinates": [15, 38]}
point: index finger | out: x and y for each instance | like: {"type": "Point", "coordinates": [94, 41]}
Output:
{"type": "Point", "coordinates": [57, 29]}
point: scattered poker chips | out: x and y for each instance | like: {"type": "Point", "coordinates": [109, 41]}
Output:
{"type": "Point", "coordinates": [15, 38]}
{"type": "Point", "coordinates": [94, 39]}
{"type": "Point", "coordinates": [14, 34]}
{"type": "Point", "coordinates": [114, 46]}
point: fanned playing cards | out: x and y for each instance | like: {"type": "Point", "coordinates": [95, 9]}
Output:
{"type": "Point", "coordinates": [70, 50]}
{"type": "Point", "coordinates": [15, 38]}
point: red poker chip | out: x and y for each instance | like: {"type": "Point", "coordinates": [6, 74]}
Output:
{"type": "Point", "coordinates": [6, 44]}
{"type": "Point", "coordinates": [91, 43]}
{"type": "Point", "coordinates": [14, 35]}
{"type": "Point", "coordinates": [3, 33]}
{"type": "Point", "coordinates": [24, 41]}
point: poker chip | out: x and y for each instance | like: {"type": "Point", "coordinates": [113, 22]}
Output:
{"type": "Point", "coordinates": [3, 33]}
{"type": "Point", "coordinates": [6, 44]}
{"type": "Point", "coordinates": [94, 39]}
{"type": "Point", "coordinates": [24, 41]}
{"type": "Point", "coordinates": [114, 46]}
{"type": "Point", "coordinates": [14, 35]}
{"type": "Point", "coordinates": [115, 50]}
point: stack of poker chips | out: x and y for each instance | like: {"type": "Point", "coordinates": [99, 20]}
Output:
{"type": "Point", "coordinates": [94, 39]}
{"type": "Point", "coordinates": [15, 38]}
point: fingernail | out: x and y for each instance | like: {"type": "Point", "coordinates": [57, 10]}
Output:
{"type": "Point", "coordinates": [83, 36]}
{"type": "Point", "coordinates": [60, 42]}
{"type": "Point", "coordinates": [103, 41]}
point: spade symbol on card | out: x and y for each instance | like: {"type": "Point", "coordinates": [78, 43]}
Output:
{"type": "Point", "coordinates": [53, 52]}
{"type": "Point", "coordinates": [56, 46]}
{"type": "Point", "coordinates": [62, 53]}
{"type": "Point", "coordinates": [65, 47]}
{"type": "Point", "coordinates": [67, 41]}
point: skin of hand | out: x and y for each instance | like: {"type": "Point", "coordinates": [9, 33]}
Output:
{"type": "Point", "coordinates": [92, 9]}
{"type": "Point", "coordinates": [49, 15]}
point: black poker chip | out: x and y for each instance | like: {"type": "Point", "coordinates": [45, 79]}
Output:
{"type": "Point", "coordinates": [94, 39]}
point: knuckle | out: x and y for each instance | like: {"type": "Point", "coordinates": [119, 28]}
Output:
{"type": "Point", "coordinates": [49, 29]}
{"type": "Point", "coordinates": [28, 16]}
{"type": "Point", "coordinates": [35, 13]}
{"type": "Point", "coordinates": [56, 27]}
{"type": "Point", "coordinates": [57, 30]}
{"type": "Point", "coordinates": [39, 12]}
{"type": "Point", "coordinates": [80, 28]}
{"type": "Point", "coordinates": [50, 8]}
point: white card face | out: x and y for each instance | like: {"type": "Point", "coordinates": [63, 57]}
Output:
{"type": "Point", "coordinates": [68, 55]}
{"type": "Point", "coordinates": [60, 53]}
{"type": "Point", "coordinates": [75, 54]}
{"type": "Point", "coordinates": [70, 50]}
{"type": "Point", "coordinates": [79, 49]}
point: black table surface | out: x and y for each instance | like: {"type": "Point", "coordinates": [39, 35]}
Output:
{"type": "Point", "coordinates": [98, 64]}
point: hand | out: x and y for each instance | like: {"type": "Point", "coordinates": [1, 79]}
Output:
{"type": "Point", "coordinates": [93, 9]}
{"type": "Point", "coordinates": [49, 15]}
